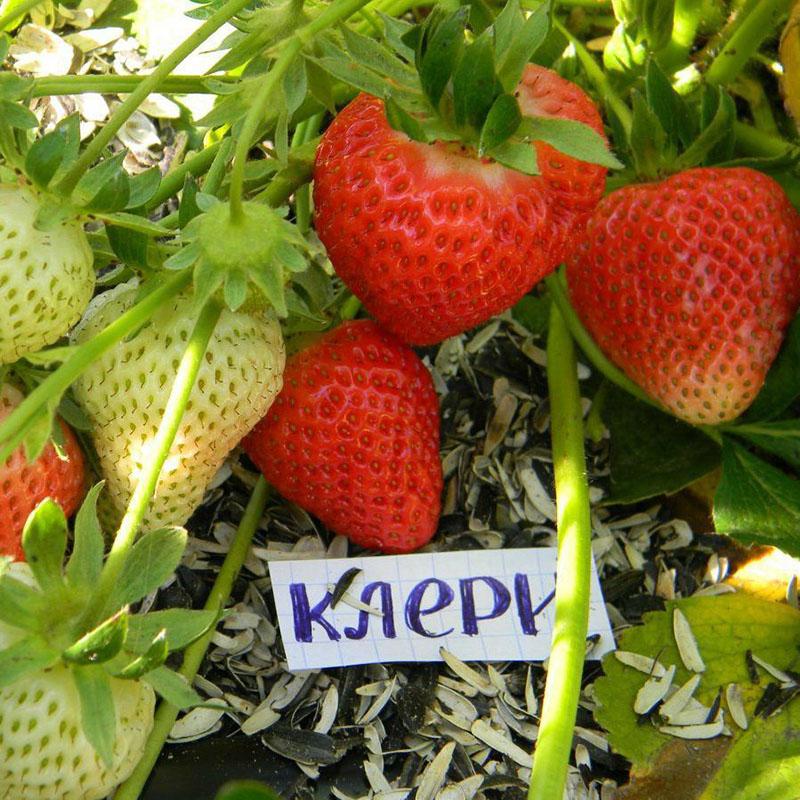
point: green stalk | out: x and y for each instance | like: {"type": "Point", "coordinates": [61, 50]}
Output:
{"type": "Point", "coordinates": [123, 84]}
{"type": "Point", "coordinates": [173, 181]}
{"type": "Point", "coordinates": [563, 686]}
{"type": "Point", "coordinates": [686, 20]}
{"type": "Point", "coordinates": [290, 49]}
{"type": "Point", "coordinates": [179, 395]}
{"type": "Point", "coordinates": [587, 344]}
{"type": "Point", "coordinates": [598, 77]}
{"type": "Point", "coordinates": [751, 30]}
{"type": "Point", "coordinates": [13, 428]}
{"type": "Point", "coordinates": [194, 654]}
{"type": "Point", "coordinates": [18, 11]}
{"type": "Point", "coordinates": [761, 143]}
{"type": "Point", "coordinates": [304, 132]}
{"type": "Point", "coordinates": [106, 134]}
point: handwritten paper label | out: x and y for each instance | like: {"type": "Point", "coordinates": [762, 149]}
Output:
{"type": "Point", "coordinates": [488, 605]}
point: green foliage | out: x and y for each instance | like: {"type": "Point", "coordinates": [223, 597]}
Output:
{"type": "Point", "coordinates": [246, 790]}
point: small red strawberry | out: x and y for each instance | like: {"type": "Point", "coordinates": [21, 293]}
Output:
{"type": "Point", "coordinates": [688, 285]}
{"type": "Point", "coordinates": [435, 240]}
{"type": "Point", "coordinates": [23, 486]}
{"type": "Point", "coordinates": [353, 437]}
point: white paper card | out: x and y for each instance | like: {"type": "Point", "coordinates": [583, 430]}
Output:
{"type": "Point", "coordinates": [486, 605]}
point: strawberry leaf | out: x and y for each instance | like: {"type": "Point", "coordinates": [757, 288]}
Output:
{"type": "Point", "coordinates": [656, 21]}
{"type": "Point", "coordinates": [441, 43]}
{"type": "Point", "coordinates": [44, 541]}
{"type": "Point", "coordinates": [475, 85]}
{"type": "Point", "coordinates": [17, 116]}
{"type": "Point", "coordinates": [154, 657]}
{"type": "Point", "coordinates": [520, 156]}
{"type": "Point", "coordinates": [129, 246]}
{"type": "Point", "coordinates": [782, 385]}
{"type": "Point", "coordinates": [648, 140]}
{"type": "Point", "coordinates": [151, 561]}
{"type": "Point", "coordinates": [101, 644]}
{"type": "Point", "coordinates": [182, 627]}
{"type": "Point", "coordinates": [716, 140]}
{"type": "Point", "coordinates": [21, 606]}
{"type": "Point", "coordinates": [98, 717]}
{"type": "Point", "coordinates": [174, 688]}
{"type": "Point", "coordinates": [54, 150]}
{"type": "Point", "coordinates": [86, 561]}
{"type": "Point", "coordinates": [235, 289]}
{"type": "Point", "coordinates": [25, 656]}
{"type": "Point", "coordinates": [671, 109]}
{"type": "Point", "coordinates": [105, 187]}
{"type": "Point", "coordinates": [756, 502]}
{"type": "Point", "coordinates": [652, 453]}
{"type": "Point", "coordinates": [571, 138]}
{"type": "Point", "coordinates": [394, 31]}
{"type": "Point", "coordinates": [143, 186]}
{"type": "Point", "coordinates": [401, 120]}
{"type": "Point", "coordinates": [501, 122]}
{"type": "Point", "coordinates": [379, 59]}
{"type": "Point", "coordinates": [515, 54]}
{"type": "Point", "coordinates": [781, 438]}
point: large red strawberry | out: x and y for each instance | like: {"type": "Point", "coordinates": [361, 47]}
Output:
{"type": "Point", "coordinates": [353, 437]}
{"type": "Point", "coordinates": [435, 240]}
{"type": "Point", "coordinates": [23, 486]}
{"type": "Point", "coordinates": [688, 285]}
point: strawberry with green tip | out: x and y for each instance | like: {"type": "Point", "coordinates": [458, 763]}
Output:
{"type": "Point", "coordinates": [24, 485]}
{"type": "Point", "coordinates": [46, 276]}
{"type": "Point", "coordinates": [688, 285]}
{"type": "Point", "coordinates": [353, 438]}
{"type": "Point", "coordinates": [124, 394]}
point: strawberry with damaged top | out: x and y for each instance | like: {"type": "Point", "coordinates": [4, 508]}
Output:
{"type": "Point", "coordinates": [688, 285]}
{"type": "Point", "coordinates": [353, 438]}
{"type": "Point", "coordinates": [24, 485]}
{"type": "Point", "coordinates": [443, 207]}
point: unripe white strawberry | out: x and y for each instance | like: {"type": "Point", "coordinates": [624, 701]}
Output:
{"type": "Point", "coordinates": [46, 276]}
{"type": "Point", "coordinates": [45, 752]}
{"type": "Point", "coordinates": [124, 394]}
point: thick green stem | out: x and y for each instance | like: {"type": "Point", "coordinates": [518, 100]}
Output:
{"type": "Point", "coordinates": [193, 657]}
{"type": "Point", "coordinates": [686, 20]}
{"type": "Point", "coordinates": [751, 30]}
{"type": "Point", "coordinates": [173, 181]}
{"type": "Point", "coordinates": [565, 670]}
{"type": "Point", "coordinates": [755, 142]}
{"type": "Point", "coordinates": [305, 132]}
{"type": "Point", "coordinates": [106, 134]}
{"type": "Point", "coordinates": [290, 49]}
{"type": "Point", "coordinates": [18, 12]}
{"type": "Point", "coordinates": [182, 386]}
{"type": "Point", "coordinates": [13, 428]}
{"type": "Point", "coordinates": [123, 84]}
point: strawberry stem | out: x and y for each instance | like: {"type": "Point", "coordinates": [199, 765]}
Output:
{"type": "Point", "coordinates": [752, 26]}
{"type": "Point", "coordinates": [166, 713]}
{"type": "Point", "coordinates": [123, 84]}
{"type": "Point", "coordinates": [159, 451]}
{"type": "Point", "coordinates": [291, 48]}
{"type": "Point", "coordinates": [17, 12]}
{"type": "Point", "coordinates": [563, 686]}
{"type": "Point", "coordinates": [151, 82]}
{"type": "Point", "coordinates": [305, 131]}
{"type": "Point", "coordinates": [48, 392]}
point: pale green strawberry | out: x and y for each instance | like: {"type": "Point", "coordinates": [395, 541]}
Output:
{"type": "Point", "coordinates": [124, 394]}
{"type": "Point", "coordinates": [46, 276]}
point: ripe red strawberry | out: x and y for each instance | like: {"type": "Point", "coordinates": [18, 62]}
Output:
{"type": "Point", "coordinates": [23, 486]}
{"type": "Point", "coordinates": [434, 240]}
{"type": "Point", "coordinates": [688, 285]}
{"type": "Point", "coordinates": [353, 437]}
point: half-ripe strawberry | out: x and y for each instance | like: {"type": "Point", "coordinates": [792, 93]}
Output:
{"type": "Point", "coordinates": [23, 486]}
{"type": "Point", "coordinates": [435, 240]}
{"type": "Point", "coordinates": [353, 438]}
{"type": "Point", "coordinates": [124, 394]}
{"type": "Point", "coordinates": [46, 276]}
{"type": "Point", "coordinates": [688, 285]}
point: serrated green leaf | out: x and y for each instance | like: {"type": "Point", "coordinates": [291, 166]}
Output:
{"type": "Point", "coordinates": [174, 688]}
{"type": "Point", "coordinates": [717, 139]}
{"type": "Point", "coordinates": [105, 187]}
{"type": "Point", "coordinates": [346, 70]}
{"type": "Point", "coordinates": [295, 85]}
{"type": "Point", "coordinates": [98, 716]}
{"type": "Point", "coordinates": [647, 139]}
{"type": "Point", "coordinates": [320, 86]}
{"type": "Point", "coordinates": [207, 279]}
{"type": "Point", "coordinates": [25, 656]}
{"type": "Point", "coordinates": [725, 627]}
{"type": "Point", "coordinates": [151, 561]}
{"type": "Point", "coordinates": [571, 138]}
{"type": "Point", "coordinates": [154, 657]}
{"type": "Point", "coordinates": [378, 58]}
{"type": "Point", "coordinates": [182, 628]}
{"type": "Point", "coordinates": [292, 258]}
{"type": "Point", "coordinates": [47, 154]}
{"type": "Point", "coordinates": [86, 561]}
{"type": "Point", "coordinates": [671, 109]}
{"type": "Point", "coordinates": [21, 606]}
{"type": "Point", "coordinates": [507, 26]}
{"type": "Point", "coordinates": [270, 283]}
{"type": "Point", "coordinates": [17, 115]}
{"type": "Point", "coordinates": [475, 85]}
{"type": "Point", "coordinates": [520, 156]}
{"type": "Point", "coordinates": [100, 644]}
{"type": "Point", "coordinates": [235, 289]}
{"type": "Point", "coordinates": [143, 186]}
{"type": "Point", "coordinates": [44, 541]}
{"type": "Point", "coordinates": [401, 120]}
{"type": "Point", "coordinates": [502, 121]}
{"type": "Point", "coordinates": [529, 39]}
{"type": "Point", "coordinates": [652, 453]}
{"type": "Point", "coordinates": [12, 86]}
{"type": "Point", "coordinates": [782, 386]}
{"type": "Point", "coordinates": [440, 50]}
{"type": "Point", "coordinates": [185, 257]}
{"type": "Point", "coordinates": [394, 30]}
{"type": "Point", "coordinates": [756, 502]}
{"type": "Point", "coordinates": [129, 246]}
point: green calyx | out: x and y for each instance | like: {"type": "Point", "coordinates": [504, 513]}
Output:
{"type": "Point", "coordinates": [447, 81]}
{"type": "Point", "coordinates": [232, 254]}
{"type": "Point", "coordinates": [41, 600]}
